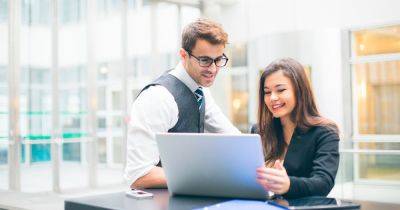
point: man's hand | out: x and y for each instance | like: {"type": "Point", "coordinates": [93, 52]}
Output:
{"type": "Point", "coordinates": [154, 179]}
{"type": "Point", "coordinates": [274, 179]}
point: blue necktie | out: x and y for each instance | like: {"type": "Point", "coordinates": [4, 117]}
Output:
{"type": "Point", "coordinates": [199, 96]}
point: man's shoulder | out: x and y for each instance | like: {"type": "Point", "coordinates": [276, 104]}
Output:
{"type": "Point", "coordinates": [154, 93]}
{"type": "Point", "coordinates": [153, 101]}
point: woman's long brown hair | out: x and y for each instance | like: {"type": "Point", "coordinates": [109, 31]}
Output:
{"type": "Point", "coordinates": [304, 115]}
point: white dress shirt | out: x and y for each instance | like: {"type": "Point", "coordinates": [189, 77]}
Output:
{"type": "Point", "coordinates": [155, 111]}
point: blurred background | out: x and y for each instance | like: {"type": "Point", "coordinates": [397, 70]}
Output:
{"type": "Point", "coordinates": [70, 69]}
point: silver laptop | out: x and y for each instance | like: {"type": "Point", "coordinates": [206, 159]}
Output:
{"type": "Point", "coordinates": [212, 164]}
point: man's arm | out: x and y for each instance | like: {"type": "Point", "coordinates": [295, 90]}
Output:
{"type": "Point", "coordinates": [154, 111]}
{"type": "Point", "coordinates": [154, 179]}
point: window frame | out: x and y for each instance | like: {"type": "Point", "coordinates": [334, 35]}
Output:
{"type": "Point", "coordinates": [351, 116]}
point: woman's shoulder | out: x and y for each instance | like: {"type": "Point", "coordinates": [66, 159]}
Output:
{"type": "Point", "coordinates": [319, 132]}
{"type": "Point", "coordinates": [322, 133]}
{"type": "Point", "coordinates": [326, 128]}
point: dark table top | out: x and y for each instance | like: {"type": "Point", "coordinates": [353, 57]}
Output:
{"type": "Point", "coordinates": [162, 201]}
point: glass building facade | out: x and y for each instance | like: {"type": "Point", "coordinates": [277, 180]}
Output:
{"type": "Point", "coordinates": [79, 69]}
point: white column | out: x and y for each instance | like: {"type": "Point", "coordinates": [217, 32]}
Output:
{"type": "Point", "coordinates": [55, 133]}
{"type": "Point", "coordinates": [109, 89]}
{"type": "Point", "coordinates": [14, 105]}
{"type": "Point", "coordinates": [27, 153]}
{"type": "Point", "coordinates": [124, 62]}
{"type": "Point", "coordinates": [155, 56]}
{"type": "Point", "coordinates": [347, 129]}
{"type": "Point", "coordinates": [91, 148]}
{"type": "Point", "coordinates": [179, 26]}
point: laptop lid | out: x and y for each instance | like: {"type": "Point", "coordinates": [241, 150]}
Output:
{"type": "Point", "coordinates": [212, 164]}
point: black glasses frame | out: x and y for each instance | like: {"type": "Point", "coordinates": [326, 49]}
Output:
{"type": "Point", "coordinates": [207, 63]}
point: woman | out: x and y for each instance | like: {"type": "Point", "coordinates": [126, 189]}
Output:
{"type": "Point", "coordinates": [300, 146]}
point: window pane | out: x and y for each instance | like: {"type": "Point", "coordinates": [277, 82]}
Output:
{"type": "Point", "coordinates": [71, 152]}
{"type": "Point", "coordinates": [132, 4]}
{"type": "Point", "coordinates": [102, 150]}
{"type": "Point", "coordinates": [40, 152]}
{"type": "Point", "coordinates": [116, 100]}
{"type": "Point", "coordinates": [237, 54]}
{"type": "Point", "coordinates": [379, 167]}
{"type": "Point", "coordinates": [101, 98]}
{"type": "Point", "coordinates": [109, 85]}
{"type": "Point", "coordinates": [35, 12]}
{"type": "Point", "coordinates": [72, 93]}
{"type": "Point", "coordinates": [108, 7]}
{"type": "Point", "coordinates": [377, 41]}
{"type": "Point", "coordinates": [139, 42]}
{"type": "Point", "coordinates": [167, 17]}
{"type": "Point", "coordinates": [117, 122]}
{"type": "Point", "coordinates": [35, 95]}
{"type": "Point", "coordinates": [71, 11]}
{"type": "Point", "coordinates": [107, 31]}
{"type": "Point", "coordinates": [35, 101]}
{"type": "Point", "coordinates": [3, 11]}
{"type": "Point", "coordinates": [240, 100]}
{"type": "Point", "coordinates": [117, 148]}
{"type": "Point", "coordinates": [378, 97]}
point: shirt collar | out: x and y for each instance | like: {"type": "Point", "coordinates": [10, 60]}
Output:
{"type": "Point", "coordinates": [181, 73]}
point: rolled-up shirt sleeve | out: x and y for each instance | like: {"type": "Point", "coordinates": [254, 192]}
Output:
{"type": "Point", "coordinates": [154, 111]}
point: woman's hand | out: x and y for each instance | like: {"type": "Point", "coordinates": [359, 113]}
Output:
{"type": "Point", "coordinates": [274, 179]}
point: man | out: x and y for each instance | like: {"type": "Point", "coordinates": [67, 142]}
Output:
{"type": "Point", "coordinates": [178, 101]}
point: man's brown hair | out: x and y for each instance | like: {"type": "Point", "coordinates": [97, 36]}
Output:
{"type": "Point", "coordinates": [203, 29]}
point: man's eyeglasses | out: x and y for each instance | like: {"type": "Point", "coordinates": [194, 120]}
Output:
{"type": "Point", "coordinates": [205, 61]}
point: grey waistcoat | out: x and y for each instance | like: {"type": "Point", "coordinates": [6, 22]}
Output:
{"type": "Point", "coordinates": [190, 118]}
